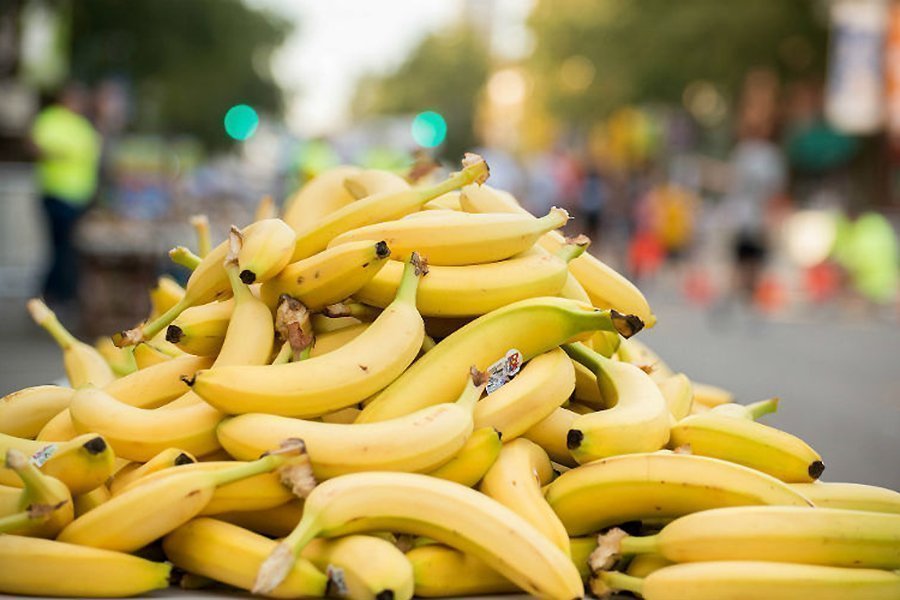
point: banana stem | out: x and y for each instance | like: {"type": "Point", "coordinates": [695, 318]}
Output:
{"type": "Point", "coordinates": [762, 408]}
{"type": "Point", "coordinates": [20, 520]}
{"type": "Point", "coordinates": [556, 218]}
{"type": "Point", "coordinates": [594, 361]}
{"type": "Point", "coordinates": [646, 544]}
{"type": "Point", "coordinates": [34, 481]}
{"type": "Point", "coordinates": [573, 248]}
{"type": "Point", "coordinates": [305, 353]}
{"type": "Point", "coordinates": [621, 581]}
{"type": "Point", "coordinates": [184, 257]}
{"type": "Point", "coordinates": [284, 355]}
{"type": "Point", "coordinates": [475, 170]}
{"type": "Point", "coordinates": [46, 319]}
{"type": "Point", "coordinates": [241, 292]}
{"type": "Point", "coordinates": [472, 392]}
{"type": "Point", "coordinates": [200, 223]}
{"type": "Point", "coordinates": [147, 330]}
{"type": "Point", "coordinates": [266, 464]}
{"type": "Point", "coordinates": [409, 281]}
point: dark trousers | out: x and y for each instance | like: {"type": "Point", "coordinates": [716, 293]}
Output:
{"type": "Point", "coordinates": [61, 281]}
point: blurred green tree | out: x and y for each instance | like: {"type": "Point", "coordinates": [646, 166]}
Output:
{"type": "Point", "coordinates": [445, 74]}
{"type": "Point", "coordinates": [592, 56]}
{"type": "Point", "coordinates": [187, 60]}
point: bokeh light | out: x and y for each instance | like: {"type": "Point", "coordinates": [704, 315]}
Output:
{"type": "Point", "coordinates": [507, 87]}
{"type": "Point", "coordinates": [429, 129]}
{"type": "Point", "coordinates": [576, 73]}
{"type": "Point", "coordinates": [809, 236]}
{"type": "Point", "coordinates": [241, 122]}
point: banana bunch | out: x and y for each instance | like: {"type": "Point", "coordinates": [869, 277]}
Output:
{"type": "Point", "coordinates": [417, 388]}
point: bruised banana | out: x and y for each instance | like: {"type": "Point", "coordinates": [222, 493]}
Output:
{"type": "Point", "coordinates": [328, 276]}
{"type": "Point", "coordinates": [318, 198]}
{"type": "Point", "coordinates": [515, 481]}
{"type": "Point", "coordinates": [383, 206]}
{"type": "Point", "coordinates": [24, 413]}
{"type": "Point", "coordinates": [658, 485]}
{"type": "Point", "coordinates": [474, 458]}
{"type": "Point", "coordinates": [81, 463]}
{"type": "Point", "coordinates": [418, 442]}
{"type": "Point", "coordinates": [344, 377]}
{"type": "Point", "coordinates": [456, 238]}
{"type": "Point", "coordinates": [531, 326]}
{"type": "Point", "coordinates": [441, 510]}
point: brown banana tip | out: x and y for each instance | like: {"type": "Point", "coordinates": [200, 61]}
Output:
{"type": "Point", "coordinates": [291, 446]}
{"type": "Point", "coordinates": [339, 309]}
{"type": "Point", "coordinates": [382, 250]}
{"type": "Point", "coordinates": [247, 276]}
{"type": "Point", "coordinates": [470, 159]}
{"type": "Point", "coordinates": [499, 433]}
{"type": "Point", "coordinates": [420, 263]}
{"type": "Point", "coordinates": [816, 468]}
{"type": "Point", "coordinates": [608, 550]}
{"type": "Point", "coordinates": [579, 240]}
{"type": "Point", "coordinates": [189, 381]}
{"type": "Point", "coordinates": [174, 333]}
{"type": "Point", "coordinates": [574, 437]}
{"type": "Point", "coordinates": [183, 459]}
{"type": "Point", "coordinates": [599, 588]}
{"type": "Point", "coordinates": [626, 325]}
{"type": "Point", "coordinates": [38, 511]}
{"type": "Point", "coordinates": [479, 378]}
{"type": "Point", "coordinates": [385, 595]}
{"type": "Point", "coordinates": [95, 445]}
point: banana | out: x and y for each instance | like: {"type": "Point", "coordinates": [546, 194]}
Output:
{"type": "Point", "coordinates": [332, 340]}
{"type": "Point", "coordinates": [39, 492]}
{"type": "Point", "coordinates": [164, 296]}
{"type": "Point", "coordinates": [445, 511]}
{"type": "Point", "coordinates": [419, 442]}
{"type": "Point", "coordinates": [183, 257]}
{"type": "Point", "coordinates": [200, 330]}
{"type": "Point", "coordinates": [341, 378]}
{"type": "Point", "coordinates": [515, 481]}
{"type": "Point", "coordinates": [542, 386]}
{"type": "Point", "coordinates": [851, 496]}
{"type": "Point", "coordinates": [362, 567]}
{"type": "Point", "coordinates": [678, 393]}
{"type": "Point", "coordinates": [746, 442]}
{"type": "Point", "coordinates": [581, 549]}
{"type": "Point", "coordinates": [709, 396]}
{"type": "Point", "coordinates": [200, 223]}
{"type": "Point", "coordinates": [472, 290]}
{"type": "Point", "coordinates": [58, 429]}
{"type": "Point", "coordinates": [328, 276]}
{"type": "Point", "coordinates": [606, 287]}
{"type": "Point", "coordinates": [733, 580]}
{"type": "Point", "coordinates": [531, 326]}
{"type": "Point", "coordinates": [659, 485]}
{"type": "Point", "coordinates": [320, 197]}
{"type": "Point", "coordinates": [644, 564]}
{"type": "Point", "coordinates": [587, 390]}
{"type": "Point", "coordinates": [267, 252]}
{"type": "Point", "coordinates": [457, 238]}
{"type": "Point", "coordinates": [37, 567]}
{"type": "Point", "coordinates": [638, 353]}
{"type": "Point", "coordinates": [374, 181]}
{"type": "Point", "coordinates": [147, 354]}
{"type": "Point", "coordinates": [83, 364]}
{"type": "Point", "coordinates": [24, 413]}
{"type": "Point", "coordinates": [120, 360]}
{"type": "Point", "coordinates": [265, 209]}
{"type": "Point", "coordinates": [383, 207]}
{"type": "Point", "coordinates": [157, 385]}
{"type": "Point", "coordinates": [442, 572]}
{"type": "Point", "coordinates": [88, 501]}
{"type": "Point", "coordinates": [272, 522]}
{"type": "Point", "coordinates": [345, 415]}
{"type": "Point", "coordinates": [637, 422]}
{"type": "Point", "coordinates": [824, 536]}
{"type": "Point", "coordinates": [473, 460]}
{"type": "Point", "coordinates": [448, 201]}
{"type": "Point", "coordinates": [232, 555]}
{"type": "Point", "coordinates": [170, 457]}
{"type": "Point", "coordinates": [81, 464]}
{"type": "Point", "coordinates": [551, 435]}
{"type": "Point", "coordinates": [146, 512]}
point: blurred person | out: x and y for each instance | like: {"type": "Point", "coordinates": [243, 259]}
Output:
{"type": "Point", "coordinates": [592, 202]}
{"type": "Point", "coordinates": [68, 153]}
{"type": "Point", "coordinates": [672, 215]}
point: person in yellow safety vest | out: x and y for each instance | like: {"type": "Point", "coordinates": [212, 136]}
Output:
{"type": "Point", "coordinates": [68, 153]}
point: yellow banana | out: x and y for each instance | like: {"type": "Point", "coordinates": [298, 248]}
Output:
{"type": "Point", "coordinates": [200, 330]}
{"type": "Point", "coordinates": [638, 353]}
{"type": "Point", "coordinates": [82, 463]}
{"type": "Point", "coordinates": [515, 481]}
{"type": "Point", "coordinates": [24, 413]}
{"type": "Point", "coordinates": [332, 340]}
{"type": "Point", "coordinates": [678, 393]}
{"type": "Point", "coordinates": [341, 378]}
{"type": "Point", "coordinates": [658, 485]}
{"type": "Point", "coordinates": [374, 181]}
{"type": "Point", "coordinates": [419, 442]}
{"type": "Point", "coordinates": [37, 567]}
{"type": "Point", "coordinates": [170, 457]}
{"type": "Point", "coordinates": [328, 276]}
{"type": "Point", "coordinates": [448, 201]}
{"type": "Point", "coordinates": [531, 326]}
{"type": "Point", "coordinates": [442, 510]}
{"type": "Point", "coordinates": [90, 500]}
{"type": "Point", "coordinates": [265, 209]}
{"type": "Point", "coordinates": [551, 434]}
{"type": "Point", "coordinates": [264, 254]}
{"type": "Point", "coordinates": [581, 549]}
{"type": "Point", "coordinates": [320, 197]}
{"type": "Point", "coordinates": [823, 536]}
{"type": "Point", "coordinates": [39, 492]}
{"type": "Point", "coordinates": [474, 458]}
{"type": "Point", "coordinates": [442, 572]}
{"type": "Point", "coordinates": [362, 567]}
{"type": "Point", "coordinates": [458, 238]}
{"type": "Point", "coordinates": [164, 296]}
{"type": "Point", "coordinates": [644, 564]}
{"type": "Point", "coordinates": [733, 580]}
{"type": "Point", "coordinates": [851, 496]}
{"type": "Point", "coordinates": [232, 555]}
{"type": "Point", "coordinates": [147, 354]}
{"type": "Point", "coordinates": [157, 385]}
{"type": "Point", "coordinates": [543, 385]}
{"type": "Point", "coordinates": [273, 522]}
{"type": "Point", "coordinates": [606, 287]}
{"type": "Point", "coordinates": [83, 364]}
{"type": "Point", "coordinates": [638, 420]}
{"type": "Point", "coordinates": [710, 395]}
{"type": "Point", "coordinates": [146, 512]}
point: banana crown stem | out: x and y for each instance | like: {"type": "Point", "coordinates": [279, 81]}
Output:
{"type": "Point", "coordinates": [284, 355]}
{"type": "Point", "coordinates": [409, 281]}
{"type": "Point", "coordinates": [573, 248]}
{"type": "Point", "coordinates": [184, 257]}
{"type": "Point", "coordinates": [148, 330]}
{"type": "Point", "coordinates": [46, 319]}
{"type": "Point", "coordinates": [621, 582]}
{"type": "Point", "coordinates": [475, 170]}
{"type": "Point", "coordinates": [200, 223]}
{"type": "Point", "coordinates": [646, 544]}
{"type": "Point", "coordinates": [762, 408]}
{"type": "Point", "coordinates": [556, 218]}
{"type": "Point", "coordinates": [35, 482]}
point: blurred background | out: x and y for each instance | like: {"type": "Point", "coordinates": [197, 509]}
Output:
{"type": "Point", "coordinates": [739, 161]}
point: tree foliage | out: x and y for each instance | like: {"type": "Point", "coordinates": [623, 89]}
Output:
{"type": "Point", "coordinates": [187, 60]}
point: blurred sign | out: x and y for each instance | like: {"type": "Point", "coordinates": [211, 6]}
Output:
{"type": "Point", "coordinates": [855, 95]}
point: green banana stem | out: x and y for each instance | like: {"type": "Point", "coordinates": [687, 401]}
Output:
{"type": "Point", "coordinates": [21, 520]}
{"type": "Point", "coordinates": [475, 170]}
{"type": "Point", "coordinates": [184, 257]}
{"type": "Point", "coordinates": [606, 343]}
{"type": "Point", "coordinates": [284, 355]}
{"type": "Point", "coordinates": [609, 320]}
{"type": "Point", "coordinates": [622, 582]}
{"type": "Point", "coordinates": [35, 482]}
{"type": "Point", "coordinates": [46, 319]}
{"type": "Point", "coordinates": [573, 248]}
{"type": "Point", "coordinates": [200, 223]}
{"type": "Point", "coordinates": [594, 361]}
{"type": "Point", "coordinates": [409, 281]}
{"type": "Point", "coordinates": [556, 218]}
{"type": "Point", "coordinates": [266, 464]}
{"type": "Point", "coordinates": [305, 353]}
{"type": "Point", "coordinates": [147, 330]}
{"type": "Point", "coordinates": [762, 408]}
{"type": "Point", "coordinates": [646, 544]}
{"type": "Point", "coordinates": [472, 392]}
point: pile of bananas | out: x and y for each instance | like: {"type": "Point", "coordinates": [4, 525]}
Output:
{"type": "Point", "coordinates": [397, 390]}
